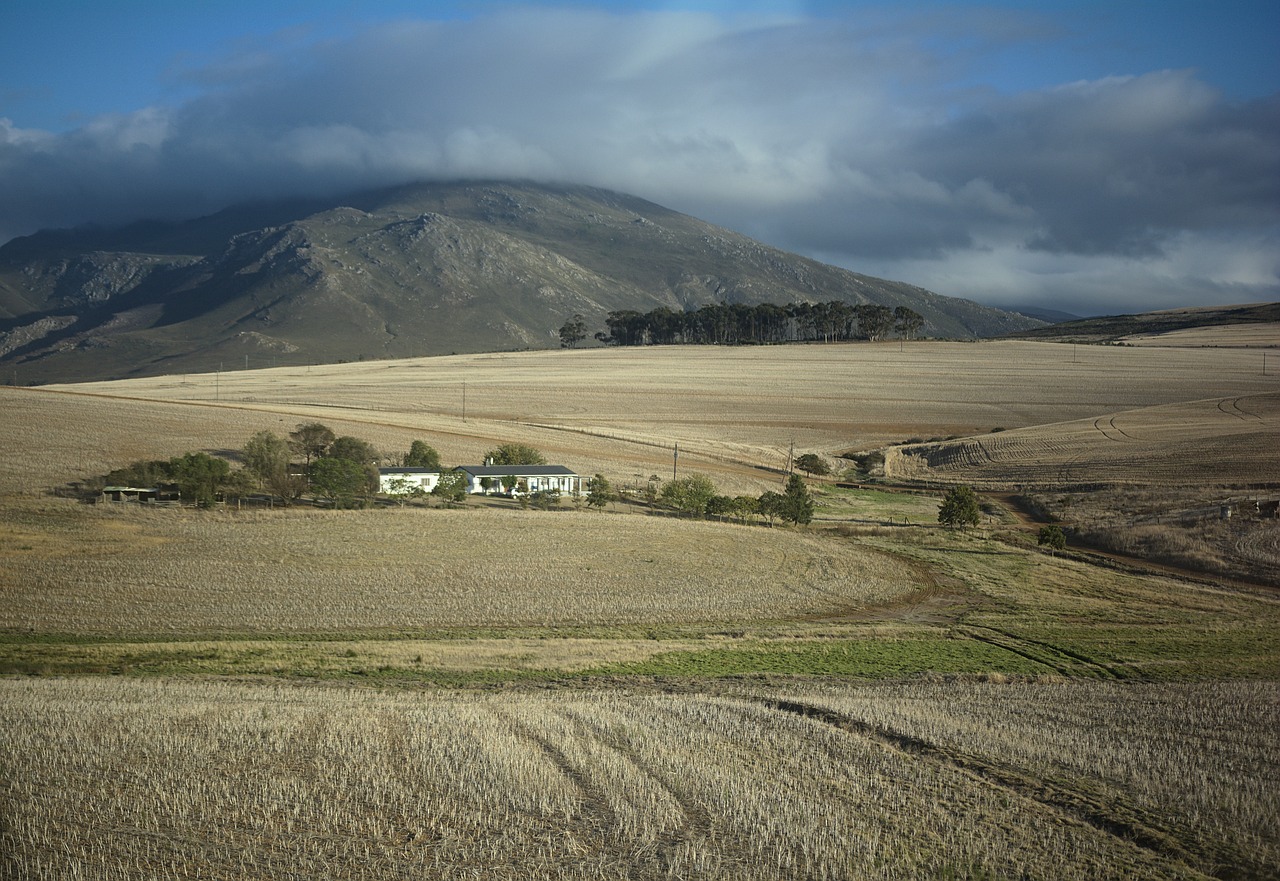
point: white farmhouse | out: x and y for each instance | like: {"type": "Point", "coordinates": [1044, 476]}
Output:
{"type": "Point", "coordinates": [521, 479]}
{"type": "Point", "coordinates": [404, 481]}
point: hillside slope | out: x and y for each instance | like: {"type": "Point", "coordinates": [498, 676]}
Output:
{"type": "Point", "coordinates": [416, 270]}
{"type": "Point", "coordinates": [1148, 326]}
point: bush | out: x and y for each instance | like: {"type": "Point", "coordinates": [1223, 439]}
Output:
{"type": "Point", "coordinates": [959, 507]}
{"type": "Point", "coordinates": [688, 494]}
{"type": "Point", "coordinates": [1052, 538]}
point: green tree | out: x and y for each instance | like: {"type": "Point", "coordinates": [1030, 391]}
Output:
{"type": "Point", "coordinates": [796, 506]}
{"type": "Point", "coordinates": [812, 463]}
{"type": "Point", "coordinates": [573, 332]}
{"type": "Point", "coordinates": [599, 492]}
{"type": "Point", "coordinates": [402, 489]}
{"type": "Point", "coordinates": [874, 320]}
{"type": "Point", "coordinates": [311, 440]}
{"type": "Point", "coordinates": [451, 488]}
{"type": "Point", "coordinates": [720, 506]}
{"type": "Point", "coordinates": [341, 481]}
{"type": "Point", "coordinates": [744, 507]}
{"type": "Point", "coordinates": [545, 499]}
{"type": "Point", "coordinates": [266, 458]}
{"type": "Point", "coordinates": [688, 494]}
{"type": "Point", "coordinates": [353, 450]}
{"type": "Point", "coordinates": [769, 505]}
{"type": "Point", "coordinates": [141, 474]}
{"type": "Point", "coordinates": [959, 507]}
{"type": "Point", "coordinates": [515, 454]}
{"type": "Point", "coordinates": [907, 322]}
{"type": "Point", "coordinates": [422, 455]}
{"type": "Point", "coordinates": [200, 477]}
{"type": "Point", "coordinates": [1051, 537]}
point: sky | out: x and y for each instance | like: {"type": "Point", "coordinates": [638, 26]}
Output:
{"type": "Point", "coordinates": [1088, 157]}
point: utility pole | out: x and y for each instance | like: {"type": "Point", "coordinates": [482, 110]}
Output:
{"type": "Point", "coordinates": [217, 383]}
{"type": "Point", "coordinates": [675, 460]}
{"type": "Point", "coordinates": [464, 400]}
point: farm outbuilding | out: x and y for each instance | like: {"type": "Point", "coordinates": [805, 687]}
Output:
{"type": "Point", "coordinates": [140, 493]}
{"type": "Point", "coordinates": [403, 481]}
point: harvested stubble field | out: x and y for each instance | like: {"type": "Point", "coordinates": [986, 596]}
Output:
{"type": "Point", "coordinates": [102, 570]}
{"type": "Point", "coordinates": [121, 778]}
{"type": "Point", "coordinates": [695, 698]}
{"type": "Point", "coordinates": [1205, 442]}
{"type": "Point", "coordinates": [606, 409]}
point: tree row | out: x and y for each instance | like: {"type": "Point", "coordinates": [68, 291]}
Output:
{"type": "Point", "coordinates": [740, 324]}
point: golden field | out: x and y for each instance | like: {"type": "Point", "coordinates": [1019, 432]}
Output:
{"type": "Point", "coordinates": [305, 571]}
{"type": "Point", "coordinates": [489, 692]}
{"type": "Point", "coordinates": [129, 778]}
{"type": "Point", "coordinates": [620, 411]}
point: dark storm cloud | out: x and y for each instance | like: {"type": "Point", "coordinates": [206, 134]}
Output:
{"type": "Point", "coordinates": [829, 139]}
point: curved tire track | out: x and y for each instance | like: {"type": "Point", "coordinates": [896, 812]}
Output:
{"type": "Point", "coordinates": [1106, 814]}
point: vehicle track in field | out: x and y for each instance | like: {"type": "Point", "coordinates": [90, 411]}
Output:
{"type": "Point", "coordinates": [1112, 432]}
{"type": "Point", "coordinates": [1055, 657]}
{"type": "Point", "coordinates": [596, 811]}
{"type": "Point", "coordinates": [1105, 812]}
{"type": "Point", "coordinates": [697, 823]}
{"type": "Point", "coordinates": [1231, 407]}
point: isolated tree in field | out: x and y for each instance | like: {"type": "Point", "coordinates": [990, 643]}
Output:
{"type": "Point", "coordinates": [599, 492]}
{"type": "Point", "coordinates": [796, 505]}
{"type": "Point", "coordinates": [812, 463]}
{"type": "Point", "coordinates": [1051, 537]}
{"type": "Point", "coordinates": [907, 322]}
{"type": "Point", "coordinates": [515, 454]}
{"type": "Point", "coordinates": [311, 440]}
{"type": "Point", "coordinates": [266, 458]}
{"type": "Point", "coordinates": [689, 495]}
{"type": "Point", "coordinates": [959, 507]}
{"type": "Point", "coordinates": [573, 332]}
{"type": "Point", "coordinates": [422, 455]}
{"type": "Point", "coordinates": [341, 481]}
{"type": "Point", "coordinates": [200, 477]}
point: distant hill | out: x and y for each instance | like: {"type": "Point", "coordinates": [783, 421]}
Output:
{"type": "Point", "coordinates": [414, 270]}
{"type": "Point", "coordinates": [1116, 328]}
{"type": "Point", "coordinates": [1050, 316]}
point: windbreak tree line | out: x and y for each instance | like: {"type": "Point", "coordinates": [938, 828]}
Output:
{"type": "Point", "coordinates": [740, 324]}
{"type": "Point", "coordinates": [696, 496]}
{"type": "Point", "coordinates": [312, 458]}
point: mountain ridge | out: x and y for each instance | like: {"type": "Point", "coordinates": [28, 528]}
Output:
{"type": "Point", "coordinates": [418, 269]}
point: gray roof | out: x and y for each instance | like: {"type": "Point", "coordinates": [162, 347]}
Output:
{"type": "Point", "coordinates": [517, 470]}
{"type": "Point", "coordinates": [408, 470]}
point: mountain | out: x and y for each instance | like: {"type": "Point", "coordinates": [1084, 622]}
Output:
{"type": "Point", "coordinates": [423, 269]}
{"type": "Point", "coordinates": [1049, 316]}
{"type": "Point", "coordinates": [1116, 328]}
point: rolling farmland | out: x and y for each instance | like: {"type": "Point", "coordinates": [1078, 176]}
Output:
{"type": "Point", "coordinates": [1206, 442]}
{"type": "Point", "coordinates": [499, 693]}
